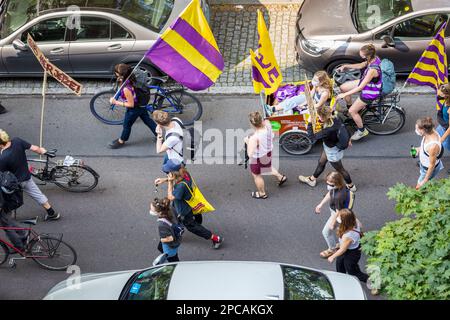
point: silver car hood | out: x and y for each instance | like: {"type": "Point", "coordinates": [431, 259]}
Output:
{"type": "Point", "coordinates": [94, 286]}
{"type": "Point", "coordinates": [345, 287]}
{"type": "Point", "coordinates": [334, 16]}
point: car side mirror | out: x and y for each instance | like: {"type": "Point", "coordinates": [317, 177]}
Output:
{"type": "Point", "coordinates": [19, 45]}
{"type": "Point", "coordinates": [388, 41]}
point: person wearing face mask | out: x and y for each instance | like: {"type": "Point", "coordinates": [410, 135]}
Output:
{"type": "Point", "coordinates": [369, 86]}
{"type": "Point", "coordinates": [331, 153]}
{"type": "Point", "coordinates": [430, 151]}
{"type": "Point", "coordinates": [321, 94]}
{"type": "Point", "coordinates": [338, 197]}
{"type": "Point", "coordinates": [168, 243]}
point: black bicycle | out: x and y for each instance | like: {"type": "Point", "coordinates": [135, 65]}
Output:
{"type": "Point", "coordinates": [68, 174]}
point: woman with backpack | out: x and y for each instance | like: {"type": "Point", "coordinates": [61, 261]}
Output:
{"type": "Point", "coordinates": [335, 139]}
{"type": "Point", "coordinates": [349, 253]}
{"type": "Point", "coordinates": [369, 86]}
{"type": "Point", "coordinates": [129, 99]}
{"type": "Point", "coordinates": [338, 197]}
{"type": "Point", "coordinates": [169, 240]}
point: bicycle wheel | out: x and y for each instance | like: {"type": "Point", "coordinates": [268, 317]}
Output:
{"type": "Point", "coordinates": [189, 107]}
{"type": "Point", "coordinates": [74, 178]}
{"type": "Point", "coordinates": [393, 122]}
{"type": "Point", "coordinates": [4, 253]}
{"type": "Point", "coordinates": [295, 143]}
{"type": "Point", "coordinates": [52, 253]}
{"type": "Point", "coordinates": [102, 109]}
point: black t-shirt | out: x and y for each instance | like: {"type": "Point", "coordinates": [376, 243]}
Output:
{"type": "Point", "coordinates": [14, 159]}
{"type": "Point", "coordinates": [329, 135]}
{"type": "Point", "coordinates": [165, 230]}
{"type": "Point", "coordinates": [181, 194]}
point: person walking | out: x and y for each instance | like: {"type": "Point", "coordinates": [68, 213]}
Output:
{"type": "Point", "coordinates": [349, 253]}
{"type": "Point", "coordinates": [430, 151]}
{"type": "Point", "coordinates": [443, 117]}
{"type": "Point", "coordinates": [172, 142]}
{"type": "Point", "coordinates": [128, 99]}
{"type": "Point", "coordinates": [178, 180]}
{"type": "Point", "coordinates": [168, 243]}
{"type": "Point", "coordinates": [259, 152]}
{"type": "Point", "coordinates": [330, 153]}
{"type": "Point", "coordinates": [370, 87]}
{"type": "Point", "coordinates": [338, 197]}
{"type": "Point", "coordinates": [13, 158]}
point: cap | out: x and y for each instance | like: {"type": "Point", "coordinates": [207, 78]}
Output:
{"type": "Point", "coordinates": [172, 165]}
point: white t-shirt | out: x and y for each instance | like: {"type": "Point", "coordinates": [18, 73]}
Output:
{"type": "Point", "coordinates": [354, 236]}
{"type": "Point", "coordinates": [174, 142]}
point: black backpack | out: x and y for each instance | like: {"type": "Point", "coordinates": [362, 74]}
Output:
{"type": "Point", "coordinates": [343, 137]}
{"type": "Point", "coordinates": [142, 96]}
{"type": "Point", "coordinates": [11, 194]}
{"type": "Point", "coordinates": [191, 146]}
{"type": "Point", "coordinates": [177, 229]}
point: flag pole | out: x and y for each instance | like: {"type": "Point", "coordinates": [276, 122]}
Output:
{"type": "Point", "coordinates": [44, 92]}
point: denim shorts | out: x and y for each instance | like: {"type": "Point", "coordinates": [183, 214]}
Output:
{"type": "Point", "coordinates": [441, 130]}
{"type": "Point", "coordinates": [169, 250]}
{"type": "Point", "coordinates": [333, 154]}
{"type": "Point", "coordinates": [423, 171]}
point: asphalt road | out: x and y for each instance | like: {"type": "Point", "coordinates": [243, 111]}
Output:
{"type": "Point", "coordinates": [111, 229]}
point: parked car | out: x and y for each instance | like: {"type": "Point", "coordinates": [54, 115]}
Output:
{"type": "Point", "coordinates": [84, 38]}
{"type": "Point", "coordinates": [330, 34]}
{"type": "Point", "coordinates": [213, 280]}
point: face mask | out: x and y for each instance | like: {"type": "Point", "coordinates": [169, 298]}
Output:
{"type": "Point", "coordinates": [329, 188]}
{"type": "Point", "coordinates": [418, 133]}
{"type": "Point", "coordinates": [315, 82]}
{"type": "Point", "coordinates": [153, 213]}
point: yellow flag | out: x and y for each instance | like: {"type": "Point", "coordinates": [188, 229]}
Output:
{"type": "Point", "coordinates": [265, 70]}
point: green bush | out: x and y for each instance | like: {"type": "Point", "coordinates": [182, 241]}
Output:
{"type": "Point", "coordinates": [412, 255]}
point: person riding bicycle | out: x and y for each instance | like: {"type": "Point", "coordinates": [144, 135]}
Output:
{"type": "Point", "coordinates": [321, 93]}
{"type": "Point", "coordinates": [370, 86]}
{"type": "Point", "coordinates": [13, 158]}
{"type": "Point", "coordinates": [128, 99]}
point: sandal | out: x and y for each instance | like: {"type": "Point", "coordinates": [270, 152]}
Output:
{"type": "Point", "coordinates": [257, 195]}
{"type": "Point", "coordinates": [327, 253]}
{"type": "Point", "coordinates": [282, 181]}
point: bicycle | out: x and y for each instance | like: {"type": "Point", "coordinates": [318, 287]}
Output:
{"type": "Point", "coordinates": [70, 175]}
{"type": "Point", "coordinates": [47, 250]}
{"type": "Point", "coordinates": [382, 117]}
{"type": "Point", "coordinates": [174, 101]}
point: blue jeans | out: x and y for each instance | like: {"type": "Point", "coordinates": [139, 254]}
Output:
{"type": "Point", "coordinates": [423, 171]}
{"type": "Point", "coordinates": [130, 118]}
{"type": "Point", "coordinates": [441, 130]}
{"type": "Point", "coordinates": [291, 103]}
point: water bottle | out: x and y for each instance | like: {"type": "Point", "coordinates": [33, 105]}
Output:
{"type": "Point", "coordinates": [413, 152]}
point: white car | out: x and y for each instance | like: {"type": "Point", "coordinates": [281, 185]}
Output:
{"type": "Point", "coordinates": [213, 280]}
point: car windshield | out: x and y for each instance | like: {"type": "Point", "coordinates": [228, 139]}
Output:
{"type": "Point", "coordinates": [369, 14]}
{"type": "Point", "coordinates": [303, 284]}
{"type": "Point", "coordinates": [152, 14]}
{"type": "Point", "coordinates": [152, 284]}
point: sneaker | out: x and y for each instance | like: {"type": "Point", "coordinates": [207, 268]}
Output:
{"type": "Point", "coordinates": [48, 217]}
{"type": "Point", "coordinates": [217, 244]}
{"type": "Point", "coordinates": [308, 181]}
{"type": "Point", "coordinates": [116, 144]}
{"type": "Point", "coordinates": [352, 188]}
{"type": "Point", "coordinates": [359, 135]}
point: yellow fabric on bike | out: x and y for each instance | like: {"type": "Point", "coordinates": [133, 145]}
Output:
{"type": "Point", "coordinates": [198, 203]}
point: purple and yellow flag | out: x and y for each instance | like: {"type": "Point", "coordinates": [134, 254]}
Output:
{"type": "Point", "coordinates": [187, 51]}
{"type": "Point", "coordinates": [432, 68]}
{"type": "Point", "coordinates": [265, 70]}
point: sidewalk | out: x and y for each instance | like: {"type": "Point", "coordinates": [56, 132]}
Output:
{"type": "Point", "coordinates": [234, 26]}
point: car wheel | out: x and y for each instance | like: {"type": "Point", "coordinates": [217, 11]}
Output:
{"type": "Point", "coordinates": [145, 72]}
{"type": "Point", "coordinates": [341, 77]}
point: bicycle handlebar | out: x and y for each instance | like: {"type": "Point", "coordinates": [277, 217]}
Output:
{"type": "Point", "coordinates": [51, 153]}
